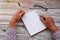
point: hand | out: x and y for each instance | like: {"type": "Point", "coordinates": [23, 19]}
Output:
{"type": "Point", "coordinates": [16, 18]}
{"type": "Point", "coordinates": [49, 22]}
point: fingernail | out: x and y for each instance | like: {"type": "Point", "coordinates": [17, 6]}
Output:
{"type": "Point", "coordinates": [43, 18]}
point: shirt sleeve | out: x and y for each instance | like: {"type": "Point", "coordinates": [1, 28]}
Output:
{"type": "Point", "coordinates": [11, 34]}
{"type": "Point", "coordinates": [56, 36]}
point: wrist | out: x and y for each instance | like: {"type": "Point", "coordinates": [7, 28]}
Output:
{"type": "Point", "coordinates": [55, 29]}
{"type": "Point", "coordinates": [12, 23]}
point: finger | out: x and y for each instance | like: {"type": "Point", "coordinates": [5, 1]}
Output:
{"type": "Point", "coordinates": [22, 13]}
{"type": "Point", "coordinates": [18, 12]}
{"type": "Point", "coordinates": [42, 19]}
{"type": "Point", "coordinates": [46, 17]}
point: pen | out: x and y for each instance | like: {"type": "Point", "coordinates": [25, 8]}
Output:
{"type": "Point", "coordinates": [19, 4]}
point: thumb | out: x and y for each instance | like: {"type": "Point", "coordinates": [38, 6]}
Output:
{"type": "Point", "coordinates": [22, 13]}
{"type": "Point", "coordinates": [42, 19]}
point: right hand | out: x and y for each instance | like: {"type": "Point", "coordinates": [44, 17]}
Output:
{"type": "Point", "coordinates": [49, 22]}
{"type": "Point", "coordinates": [16, 17]}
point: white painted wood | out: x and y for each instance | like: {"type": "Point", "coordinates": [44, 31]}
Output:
{"type": "Point", "coordinates": [22, 34]}
{"type": "Point", "coordinates": [9, 5]}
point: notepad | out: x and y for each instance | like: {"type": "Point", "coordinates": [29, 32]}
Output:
{"type": "Point", "coordinates": [33, 23]}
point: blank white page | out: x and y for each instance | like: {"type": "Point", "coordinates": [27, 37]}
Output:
{"type": "Point", "coordinates": [33, 23]}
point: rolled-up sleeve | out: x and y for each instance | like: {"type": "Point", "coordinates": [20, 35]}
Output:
{"type": "Point", "coordinates": [11, 34]}
{"type": "Point", "coordinates": [56, 36]}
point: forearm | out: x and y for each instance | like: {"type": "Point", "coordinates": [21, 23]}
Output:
{"type": "Point", "coordinates": [11, 34]}
{"type": "Point", "coordinates": [56, 33]}
{"type": "Point", "coordinates": [56, 36]}
{"type": "Point", "coordinates": [11, 31]}
{"type": "Point", "coordinates": [12, 23]}
{"type": "Point", "coordinates": [54, 29]}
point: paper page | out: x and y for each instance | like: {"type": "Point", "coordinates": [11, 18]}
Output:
{"type": "Point", "coordinates": [33, 23]}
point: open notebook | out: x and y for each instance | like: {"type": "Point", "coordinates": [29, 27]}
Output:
{"type": "Point", "coordinates": [33, 23]}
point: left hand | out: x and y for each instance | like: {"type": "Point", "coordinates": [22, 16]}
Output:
{"type": "Point", "coordinates": [16, 18]}
{"type": "Point", "coordinates": [49, 23]}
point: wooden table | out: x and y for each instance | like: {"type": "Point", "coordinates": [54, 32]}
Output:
{"type": "Point", "coordinates": [7, 10]}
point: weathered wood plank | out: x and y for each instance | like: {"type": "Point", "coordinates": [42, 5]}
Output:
{"type": "Point", "coordinates": [41, 3]}
{"type": "Point", "coordinates": [22, 33]}
{"type": "Point", "coordinates": [9, 5]}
